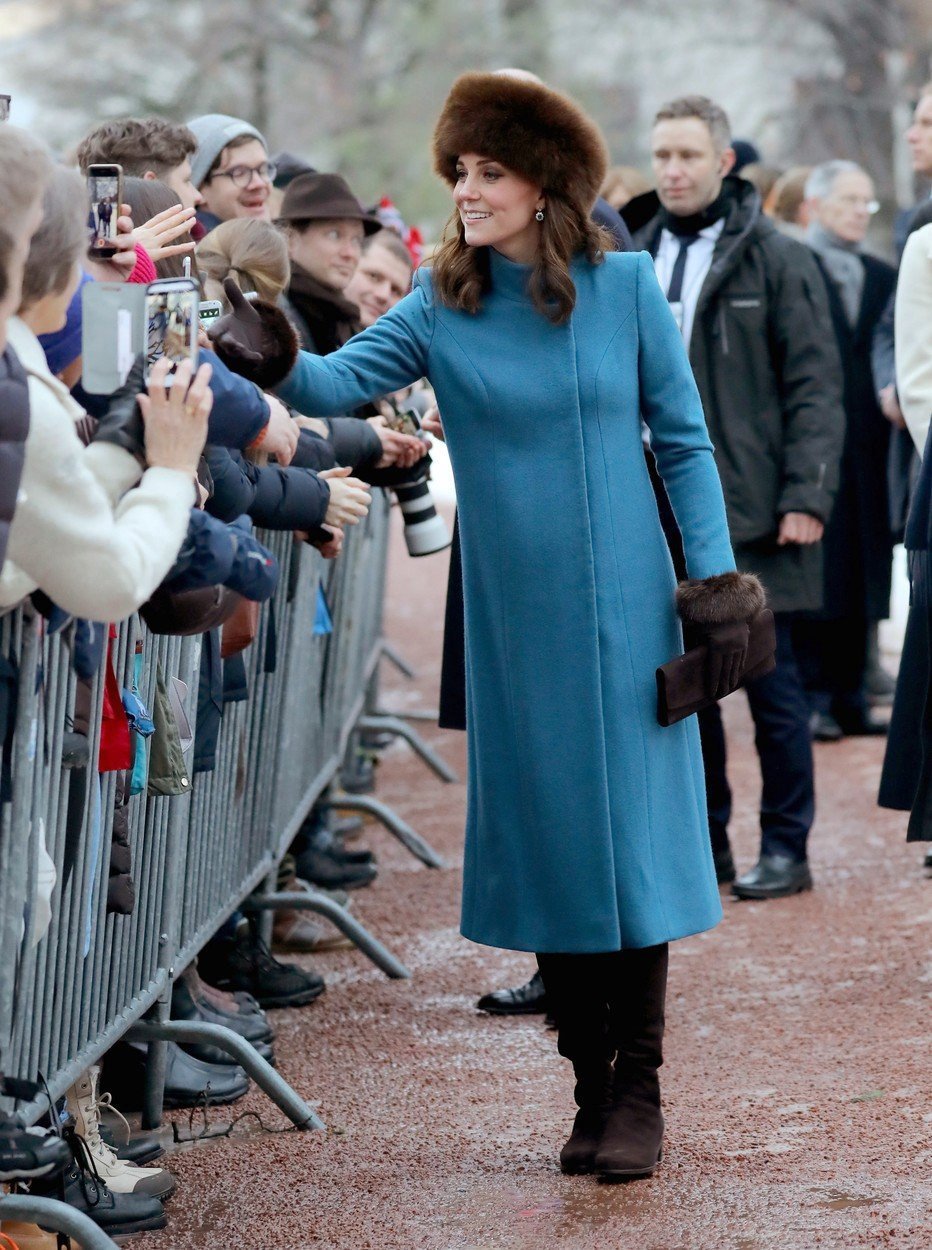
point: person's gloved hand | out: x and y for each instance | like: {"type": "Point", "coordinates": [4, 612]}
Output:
{"type": "Point", "coordinates": [727, 653]}
{"type": "Point", "coordinates": [240, 331]}
{"type": "Point", "coordinates": [122, 423]}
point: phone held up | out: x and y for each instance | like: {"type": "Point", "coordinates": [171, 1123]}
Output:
{"type": "Point", "coordinates": [171, 322]}
{"type": "Point", "coordinates": [104, 197]}
{"type": "Point", "coordinates": [208, 312]}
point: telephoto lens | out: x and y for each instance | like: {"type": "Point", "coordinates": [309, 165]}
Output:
{"type": "Point", "coordinates": [425, 530]}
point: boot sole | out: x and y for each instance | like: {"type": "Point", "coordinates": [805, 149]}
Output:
{"type": "Point", "coordinates": [30, 1174]}
{"type": "Point", "coordinates": [630, 1174]}
{"type": "Point", "coordinates": [211, 1098]}
{"type": "Point", "coordinates": [761, 896]}
{"type": "Point", "coordinates": [577, 1169]}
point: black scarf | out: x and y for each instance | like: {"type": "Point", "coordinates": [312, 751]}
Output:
{"type": "Point", "coordinates": [698, 221]}
{"type": "Point", "coordinates": [331, 320]}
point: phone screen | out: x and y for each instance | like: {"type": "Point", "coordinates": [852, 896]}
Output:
{"type": "Point", "coordinates": [103, 190]}
{"type": "Point", "coordinates": [208, 312]}
{"type": "Point", "coordinates": [171, 323]}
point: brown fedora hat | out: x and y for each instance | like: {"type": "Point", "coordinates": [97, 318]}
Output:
{"type": "Point", "coordinates": [324, 197]}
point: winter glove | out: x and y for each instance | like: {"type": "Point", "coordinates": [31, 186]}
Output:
{"type": "Point", "coordinates": [716, 613]}
{"type": "Point", "coordinates": [727, 653]}
{"type": "Point", "coordinates": [122, 423]}
{"type": "Point", "coordinates": [255, 340]}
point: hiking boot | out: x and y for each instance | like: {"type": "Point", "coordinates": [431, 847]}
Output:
{"type": "Point", "coordinates": [84, 1190]}
{"type": "Point", "coordinates": [246, 963]}
{"type": "Point", "coordinates": [188, 1081]}
{"type": "Point", "coordinates": [117, 1174]}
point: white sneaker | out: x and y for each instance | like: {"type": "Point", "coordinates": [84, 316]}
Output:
{"type": "Point", "coordinates": [118, 1175]}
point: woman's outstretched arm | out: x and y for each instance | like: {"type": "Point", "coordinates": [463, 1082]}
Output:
{"type": "Point", "coordinates": [388, 356]}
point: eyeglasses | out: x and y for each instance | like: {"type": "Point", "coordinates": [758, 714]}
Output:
{"type": "Point", "coordinates": [241, 175]}
{"type": "Point", "coordinates": [858, 201]}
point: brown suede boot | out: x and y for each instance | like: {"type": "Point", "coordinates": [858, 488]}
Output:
{"type": "Point", "coordinates": [593, 1094]}
{"type": "Point", "coordinates": [576, 987]}
{"type": "Point", "coordinates": [632, 1139]}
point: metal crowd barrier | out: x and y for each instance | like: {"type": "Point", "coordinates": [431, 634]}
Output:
{"type": "Point", "coordinates": [198, 856]}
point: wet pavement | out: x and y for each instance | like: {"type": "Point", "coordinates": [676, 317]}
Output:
{"type": "Point", "coordinates": [796, 1087]}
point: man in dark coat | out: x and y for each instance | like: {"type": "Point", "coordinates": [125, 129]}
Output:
{"type": "Point", "coordinates": [858, 543]}
{"type": "Point", "coordinates": [753, 310]}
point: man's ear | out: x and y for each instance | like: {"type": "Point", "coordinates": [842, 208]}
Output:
{"type": "Point", "coordinates": [149, 176]}
{"type": "Point", "coordinates": [727, 161]}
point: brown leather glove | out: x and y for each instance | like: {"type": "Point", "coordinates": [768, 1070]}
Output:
{"type": "Point", "coordinates": [240, 332]}
{"type": "Point", "coordinates": [727, 647]}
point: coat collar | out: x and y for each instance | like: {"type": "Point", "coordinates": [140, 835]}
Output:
{"type": "Point", "coordinates": [31, 356]}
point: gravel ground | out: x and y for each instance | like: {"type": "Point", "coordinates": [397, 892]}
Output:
{"type": "Point", "coordinates": [796, 1086]}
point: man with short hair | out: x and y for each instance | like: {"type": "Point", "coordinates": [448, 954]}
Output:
{"type": "Point", "coordinates": [231, 169]}
{"type": "Point", "coordinates": [752, 309]}
{"type": "Point", "coordinates": [145, 148]}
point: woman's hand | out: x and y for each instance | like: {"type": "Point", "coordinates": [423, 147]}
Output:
{"type": "Point", "coordinates": [119, 266]}
{"type": "Point", "coordinates": [331, 549]}
{"type": "Point", "coordinates": [176, 419]}
{"type": "Point", "coordinates": [311, 423]}
{"type": "Point", "coordinates": [349, 498]}
{"type": "Point", "coordinates": [432, 424]}
{"type": "Point", "coordinates": [157, 235]}
{"type": "Point", "coordinates": [398, 450]}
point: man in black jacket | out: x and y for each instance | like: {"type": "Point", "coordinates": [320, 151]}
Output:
{"type": "Point", "coordinates": [752, 307]}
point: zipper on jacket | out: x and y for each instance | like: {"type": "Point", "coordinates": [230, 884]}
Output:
{"type": "Point", "coordinates": [724, 324]}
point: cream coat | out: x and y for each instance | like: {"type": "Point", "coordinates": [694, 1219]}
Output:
{"type": "Point", "coordinates": [913, 335]}
{"type": "Point", "coordinates": [95, 546]}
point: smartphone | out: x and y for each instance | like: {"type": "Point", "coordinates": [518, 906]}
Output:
{"type": "Point", "coordinates": [4, 108]}
{"type": "Point", "coordinates": [171, 322]}
{"type": "Point", "coordinates": [208, 312]}
{"type": "Point", "coordinates": [104, 197]}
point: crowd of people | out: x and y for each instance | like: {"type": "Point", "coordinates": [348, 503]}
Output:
{"type": "Point", "coordinates": [814, 369]}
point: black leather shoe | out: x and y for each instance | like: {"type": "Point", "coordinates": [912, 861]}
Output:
{"type": "Point", "coordinates": [774, 876]}
{"type": "Point", "coordinates": [825, 728]}
{"type": "Point", "coordinates": [524, 1000]}
{"type": "Point", "coordinates": [188, 1081]}
{"type": "Point", "coordinates": [321, 867]}
{"type": "Point", "coordinates": [863, 725]}
{"type": "Point", "coordinates": [725, 871]}
{"type": "Point", "coordinates": [185, 1006]}
{"type": "Point", "coordinates": [927, 862]}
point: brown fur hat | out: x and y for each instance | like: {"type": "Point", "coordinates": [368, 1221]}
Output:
{"type": "Point", "coordinates": [533, 130]}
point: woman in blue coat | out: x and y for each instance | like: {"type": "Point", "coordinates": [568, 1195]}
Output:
{"type": "Point", "coordinates": [586, 837]}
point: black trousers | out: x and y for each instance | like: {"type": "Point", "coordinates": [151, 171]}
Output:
{"type": "Point", "coordinates": [784, 746]}
{"type": "Point", "coordinates": [608, 1004]}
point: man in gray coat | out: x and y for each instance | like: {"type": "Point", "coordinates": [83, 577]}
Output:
{"type": "Point", "coordinates": [752, 308]}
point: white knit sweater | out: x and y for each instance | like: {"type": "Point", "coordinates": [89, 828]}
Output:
{"type": "Point", "coordinates": [95, 546]}
{"type": "Point", "coordinates": [913, 334]}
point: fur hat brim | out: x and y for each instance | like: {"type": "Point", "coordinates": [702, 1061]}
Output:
{"type": "Point", "coordinates": [531, 129]}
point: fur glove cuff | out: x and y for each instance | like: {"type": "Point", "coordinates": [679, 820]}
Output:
{"type": "Point", "coordinates": [720, 600]}
{"type": "Point", "coordinates": [255, 339]}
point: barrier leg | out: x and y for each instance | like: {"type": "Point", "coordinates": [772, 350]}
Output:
{"type": "Point", "coordinates": [153, 1093]}
{"type": "Point", "coordinates": [245, 1055]}
{"type": "Point", "coordinates": [347, 924]}
{"type": "Point", "coordinates": [393, 823]}
{"type": "Point", "coordinates": [416, 713]}
{"type": "Point", "coordinates": [394, 725]}
{"type": "Point", "coordinates": [398, 660]}
{"type": "Point", "coordinates": [59, 1216]}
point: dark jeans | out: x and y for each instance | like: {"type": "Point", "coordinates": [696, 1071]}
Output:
{"type": "Point", "coordinates": [784, 746]}
{"type": "Point", "coordinates": [833, 660]}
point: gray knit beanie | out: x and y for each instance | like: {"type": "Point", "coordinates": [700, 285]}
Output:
{"type": "Point", "coordinates": [213, 132]}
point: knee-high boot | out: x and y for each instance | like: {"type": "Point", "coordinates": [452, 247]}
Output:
{"type": "Point", "coordinates": [631, 1144]}
{"type": "Point", "coordinates": [576, 994]}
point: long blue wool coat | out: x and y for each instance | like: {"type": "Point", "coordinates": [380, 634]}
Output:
{"type": "Point", "coordinates": [586, 826]}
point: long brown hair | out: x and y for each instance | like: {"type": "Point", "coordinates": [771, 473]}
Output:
{"type": "Point", "coordinates": [461, 274]}
{"type": "Point", "coordinates": [146, 198]}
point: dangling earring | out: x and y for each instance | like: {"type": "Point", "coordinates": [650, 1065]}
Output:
{"type": "Point", "coordinates": [539, 215]}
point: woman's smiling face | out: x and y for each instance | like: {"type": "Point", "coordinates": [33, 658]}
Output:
{"type": "Point", "coordinates": [497, 207]}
